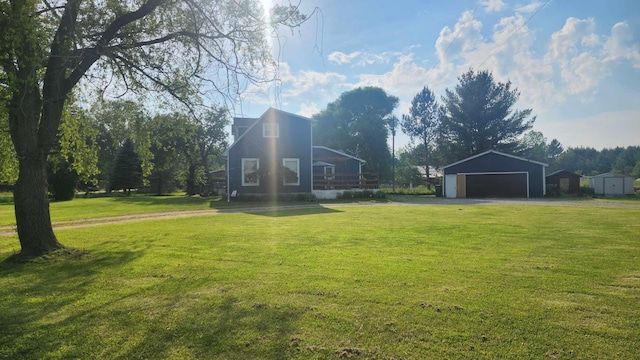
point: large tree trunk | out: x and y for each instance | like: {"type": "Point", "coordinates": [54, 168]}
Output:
{"type": "Point", "coordinates": [30, 192]}
{"type": "Point", "coordinates": [191, 180]}
{"type": "Point", "coordinates": [32, 208]}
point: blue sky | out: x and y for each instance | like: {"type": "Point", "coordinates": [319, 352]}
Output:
{"type": "Point", "coordinates": [575, 62]}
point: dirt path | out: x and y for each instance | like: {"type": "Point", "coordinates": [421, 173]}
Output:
{"type": "Point", "coordinates": [93, 222]}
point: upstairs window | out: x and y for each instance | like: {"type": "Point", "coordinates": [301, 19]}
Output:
{"type": "Point", "coordinates": [270, 130]}
{"type": "Point", "coordinates": [250, 169]}
{"type": "Point", "coordinates": [291, 174]}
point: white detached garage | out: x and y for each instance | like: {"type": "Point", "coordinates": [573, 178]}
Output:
{"type": "Point", "coordinates": [611, 184]}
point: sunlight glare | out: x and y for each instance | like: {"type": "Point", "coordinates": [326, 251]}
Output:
{"type": "Point", "coordinates": [266, 7]}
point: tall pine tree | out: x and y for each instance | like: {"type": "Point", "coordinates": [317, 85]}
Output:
{"type": "Point", "coordinates": [127, 172]}
{"type": "Point", "coordinates": [479, 116]}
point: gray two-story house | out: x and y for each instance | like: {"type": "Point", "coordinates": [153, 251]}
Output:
{"type": "Point", "coordinates": [270, 155]}
{"type": "Point", "coordinates": [273, 155]}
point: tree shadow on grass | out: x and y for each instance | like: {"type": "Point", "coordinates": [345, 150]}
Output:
{"type": "Point", "coordinates": [37, 296]}
{"type": "Point", "coordinates": [282, 212]}
{"type": "Point", "coordinates": [225, 327]}
{"type": "Point", "coordinates": [102, 306]}
{"type": "Point", "coordinates": [178, 201]}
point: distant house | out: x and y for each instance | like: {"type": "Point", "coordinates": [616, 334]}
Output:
{"type": "Point", "coordinates": [494, 174]}
{"type": "Point", "coordinates": [611, 184]}
{"type": "Point", "coordinates": [273, 155]}
{"type": "Point", "coordinates": [434, 172]}
{"type": "Point", "coordinates": [565, 181]}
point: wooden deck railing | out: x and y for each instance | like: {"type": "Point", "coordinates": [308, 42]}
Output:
{"type": "Point", "coordinates": [345, 181]}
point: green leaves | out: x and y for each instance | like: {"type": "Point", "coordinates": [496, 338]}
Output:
{"type": "Point", "coordinates": [422, 123]}
{"type": "Point", "coordinates": [77, 140]}
{"type": "Point", "coordinates": [357, 122]}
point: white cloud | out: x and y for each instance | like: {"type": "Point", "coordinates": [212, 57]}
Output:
{"type": "Point", "coordinates": [492, 5]}
{"type": "Point", "coordinates": [293, 88]}
{"type": "Point", "coordinates": [529, 8]}
{"type": "Point", "coordinates": [574, 62]}
{"type": "Point", "coordinates": [404, 80]}
{"type": "Point", "coordinates": [362, 58]}
{"type": "Point", "coordinates": [616, 46]}
{"type": "Point", "coordinates": [308, 110]}
{"type": "Point", "coordinates": [567, 42]}
{"type": "Point", "coordinates": [342, 58]}
{"type": "Point", "coordinates": [307, 81]}
{"type": "Point", "coordinates": [463, 38]}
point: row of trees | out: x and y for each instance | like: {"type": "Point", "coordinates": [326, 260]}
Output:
{"type": "Point", "coordinates": [589, 161]}
{"type": "Point", "coordinates": [117, 146]}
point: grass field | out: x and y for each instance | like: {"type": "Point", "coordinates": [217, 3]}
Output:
{"type": "Point", "coordinates": [382, 281]}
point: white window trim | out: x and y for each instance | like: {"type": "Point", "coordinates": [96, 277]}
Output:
{"type": "Point", "coordinates": [257, 183]}
{"type": "Point", "coordinates": [284, 182]}
{"type": "Point", "coordinates": [331, 176]}
{"type": "Point", "coordinates": [265, 132]}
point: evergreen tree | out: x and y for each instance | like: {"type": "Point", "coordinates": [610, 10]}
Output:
{"type": "Point", "coordinates": [127, 172]}
{"type": "Point", "coordinates": [422, 124]}
{"type": "Point", "coordinates": [479, 116]}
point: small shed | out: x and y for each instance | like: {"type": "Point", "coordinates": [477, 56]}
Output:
{"type": "Point", "coordinates": [494, 174]}
{"type": "Point", "coordinates": [565, 181]}
{"type": "Point", "coordinates": [611, 184]}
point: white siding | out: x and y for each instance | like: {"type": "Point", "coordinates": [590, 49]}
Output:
{"type": "Point", "coordinates": [450, 186]}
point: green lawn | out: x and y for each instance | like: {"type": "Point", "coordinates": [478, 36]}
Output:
{"type": "Point", "coordinates": [362, 282]}
{"type": "Point", "coordinates": [116, 205]}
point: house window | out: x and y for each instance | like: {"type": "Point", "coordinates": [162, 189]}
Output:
{"type": "Point", "coordinates": [291, 169]}
{"type": "Point", "coordinates": [329, 172]}
{"type": "Point", "coordinates": [270, 130]}
{"type": "Point", "coordinates": [250, 169]}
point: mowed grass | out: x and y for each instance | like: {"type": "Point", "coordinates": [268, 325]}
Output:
{"type": "Point", "coordinates": [381, 282]}
{"type": "Point", "coordinates": [81, 208]}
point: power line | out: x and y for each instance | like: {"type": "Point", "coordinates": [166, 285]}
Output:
{"type": "Point", "coordinates": [513, 34]}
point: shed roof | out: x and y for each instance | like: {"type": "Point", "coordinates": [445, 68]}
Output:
{"type": "Point", "coordinates": [611, 174]}
{"type": "Point", "coordinates": [563, 170]}
{"type": "Point", "coordinates": [322, 163]}
{"type": "Point", "coordinates": [340, 153]}
{"type": "Point", "coordinates": [498, 153]}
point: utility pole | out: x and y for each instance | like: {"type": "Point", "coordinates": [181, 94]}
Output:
{"type": "Point", "coordinates": [393, 154]}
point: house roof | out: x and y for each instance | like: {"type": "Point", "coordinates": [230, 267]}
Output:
{"type": "Point", "coordinates": [339, 153]}
{"type": "Point", "coordinates": [498, 153]}
{"type": "Point", "coordinates": [610, 174]}
{"type": "Point", "coordinates": [322, 163]}
{"type": "Point", "coordinates": [269, 112]}
{"type": "Point", "coordinates": [563, 170]}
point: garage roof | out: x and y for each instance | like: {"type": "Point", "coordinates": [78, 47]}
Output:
{"type": "Point", "coordinates": [495, 152]}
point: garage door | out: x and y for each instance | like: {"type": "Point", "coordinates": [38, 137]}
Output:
{"type": "Point", "coordinates": [496, 185]}
{"type": "Point", "coordinates": [613, 186]}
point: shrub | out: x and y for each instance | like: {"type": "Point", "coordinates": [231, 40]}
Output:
{"type": "Point", "coordinates": [278, 198]}
{"type": "Point", "coordinates": [553, 191]}
{"type": "Point", "coordinates": [364, 194]}
{"type": "Point", "coordinates": [585, 190]}
{"type": "Point", "coordinates": [417, 190]}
